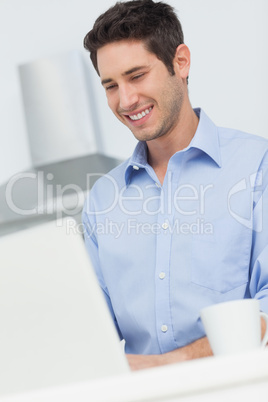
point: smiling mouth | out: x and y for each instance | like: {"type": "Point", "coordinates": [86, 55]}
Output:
{"type": "Point", "coordinates": [140, 115]}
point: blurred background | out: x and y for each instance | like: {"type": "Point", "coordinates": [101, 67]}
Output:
{"type": "Point", "coordinates": [57, 134]}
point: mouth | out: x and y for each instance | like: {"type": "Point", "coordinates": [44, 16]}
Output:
{"type": "Point", "coordinates": [139, 117]}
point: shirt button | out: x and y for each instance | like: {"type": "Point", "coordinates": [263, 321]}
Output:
{"type": "Point", "coordinates": [165, 225]}
{"type": "Point", "coordinates": [157, 184]}
{"type": "Point", "coordinates": [162, 275]}
{"type": "Point", "coordinates": [164, 328]}
{"type": "Point", "coordinates": [136, 167]}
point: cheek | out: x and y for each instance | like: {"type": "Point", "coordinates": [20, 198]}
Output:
{"type": "Point", "coordinates": [111, 102]}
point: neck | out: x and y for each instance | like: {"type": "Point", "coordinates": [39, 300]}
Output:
{"type": "Point", "coordinates": [163, 148]}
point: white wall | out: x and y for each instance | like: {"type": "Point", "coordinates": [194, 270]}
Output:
{"type": "Point", "coordinates": [228, 41]}
{"type": "Point", "coordinates": [229, 44]}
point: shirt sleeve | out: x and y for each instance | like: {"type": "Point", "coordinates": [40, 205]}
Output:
{"type": "Point", "coordinates": [93, 251]}
{"type": "Point", "coordinates": [258, 286]}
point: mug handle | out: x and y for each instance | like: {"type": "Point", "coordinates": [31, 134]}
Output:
{"type": "Point", "coordinates": [265, 338]}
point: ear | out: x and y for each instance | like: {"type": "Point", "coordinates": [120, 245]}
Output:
{"type": "Point", "coordinates": [182, 61]}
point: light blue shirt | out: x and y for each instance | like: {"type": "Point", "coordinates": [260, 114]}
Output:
{"type": "Point", "coordinates": [162, 253]}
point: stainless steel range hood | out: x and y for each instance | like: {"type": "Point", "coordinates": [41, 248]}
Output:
{"type": "Point", "coordinates": [65, 143]}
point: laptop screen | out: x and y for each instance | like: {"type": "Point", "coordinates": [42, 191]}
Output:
{"type": "Point", "coordinates": [55, 324]}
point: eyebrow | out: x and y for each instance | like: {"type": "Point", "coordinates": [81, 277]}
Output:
{"type": "Point", "coordinates": [128, 72]}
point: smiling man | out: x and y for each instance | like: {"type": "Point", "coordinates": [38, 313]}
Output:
{"type": "Point", "coordinates": [189, 205]}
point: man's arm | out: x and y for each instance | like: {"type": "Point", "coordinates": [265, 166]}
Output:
{"type": "Point", "coordinates": [195, 350]}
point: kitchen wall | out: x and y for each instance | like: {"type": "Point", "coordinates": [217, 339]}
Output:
{"type": "Point", "coordinates": [228, 41]}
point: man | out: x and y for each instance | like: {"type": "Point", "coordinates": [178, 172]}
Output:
{"type": "Point", "coordinates": [182, 223]}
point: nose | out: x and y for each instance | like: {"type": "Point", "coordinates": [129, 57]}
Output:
{"type": "Point", "coordinates": [128, 97]}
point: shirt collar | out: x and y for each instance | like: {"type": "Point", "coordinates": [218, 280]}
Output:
{"type": "Point", "coordinates": [137, 160]}
{"type": "Point", "coordinates": [206, 139]}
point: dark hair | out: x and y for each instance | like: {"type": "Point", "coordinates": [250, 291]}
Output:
{"type": "Point", "coordinates": [156, 24]}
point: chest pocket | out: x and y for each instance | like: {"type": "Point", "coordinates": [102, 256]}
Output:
{"type": "Point", "coordinates": [220, 264]}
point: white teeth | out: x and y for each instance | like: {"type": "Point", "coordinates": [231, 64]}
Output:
{"type": "Point", "coordinates": [140, 115]}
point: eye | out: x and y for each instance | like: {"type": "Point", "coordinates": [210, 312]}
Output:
{"type": "Point", "coordinates": [110, 87]}
{"type": "Point", "coordinates": [138, 76]}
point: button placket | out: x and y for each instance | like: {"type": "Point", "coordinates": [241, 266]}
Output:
{"type": "Point", "coordinates": [164, 239]}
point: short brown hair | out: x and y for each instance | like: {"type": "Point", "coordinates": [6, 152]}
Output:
{"type": "Point", "coordinates": [155, 23]}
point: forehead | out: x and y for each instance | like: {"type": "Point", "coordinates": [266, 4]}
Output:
{"type": "Point", "coordinates": [118, 57]}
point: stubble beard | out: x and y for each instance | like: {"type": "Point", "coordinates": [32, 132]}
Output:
{"type": "Point", "coordinates": [170, 115]}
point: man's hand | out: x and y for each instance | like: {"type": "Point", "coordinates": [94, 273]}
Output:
{"type": "Point", "coordinates": [195, 350]}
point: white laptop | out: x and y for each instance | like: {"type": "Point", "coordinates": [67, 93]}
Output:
{"type": "Point", "coordinates": [55, 327]}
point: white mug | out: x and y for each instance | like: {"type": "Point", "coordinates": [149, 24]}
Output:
{"type": "Point", "coordinates": [234, 326]}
